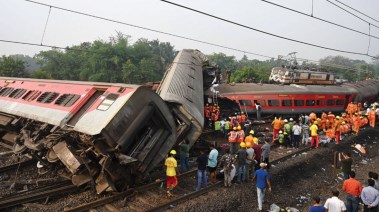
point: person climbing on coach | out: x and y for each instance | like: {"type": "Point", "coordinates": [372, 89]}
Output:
{"type": "Point", "coordinates": [314, 134]}
{"type": "Point", "coordinates": [171, 171]}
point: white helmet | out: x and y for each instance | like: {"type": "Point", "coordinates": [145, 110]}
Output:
{"type": "Point", "coordinates": [291, 119]}
{"type": "Point", "coordinates": [285, 120]}
{"type": "Point", "coordinates": [280, 132]}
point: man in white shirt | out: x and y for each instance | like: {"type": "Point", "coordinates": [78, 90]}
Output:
{"type": "Point", "coordinates": [334, 204]}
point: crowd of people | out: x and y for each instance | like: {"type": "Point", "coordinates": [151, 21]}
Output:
{"type": "Point", "coordinates": [355, 195]}
{"type": "Point", "coordinates": [245, 159]}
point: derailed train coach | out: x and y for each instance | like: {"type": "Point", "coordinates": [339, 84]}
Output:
{"type": "Point", "coordinates": [104, 133]}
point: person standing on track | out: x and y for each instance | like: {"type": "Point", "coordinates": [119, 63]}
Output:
{"type": "Point", "coordinates": [276, 125]}
{"type": "Point", "coordinates": [346, 163]}
{"type": "Point", "coordinates": [241, 163]}
{"type": "Point", "coordinates": [212, 163]}
{"type": "Point", "coordinates": [263, 182]}
{"type": "Point", "coordinates": [266, 152]}
{"type": "Point", "coordinates": [314, 134]}
{"type": "Point", "coordinates": [201, 169]}
{"type": "Point", "coordinates": [171, 170]}
{"type": "Point", "coordinates": [227, 161]}
{"type": "Point", "coordinates": [296, 129]}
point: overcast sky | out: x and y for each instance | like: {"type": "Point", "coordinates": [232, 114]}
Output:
{"type": "Point", "coordinates": [24, 21]}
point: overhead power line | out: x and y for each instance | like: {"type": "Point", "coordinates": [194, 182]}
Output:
{"type": "Point", "coordinates": [150, 29]}
{"type": "Point", "coordinates": [357, 11]}
{"type": "Point", "coordinates": [352, 14]}
{"type": "Point", "coordinates": [267, 33]}
{"type": "Point", "coordinates": [320, 19]}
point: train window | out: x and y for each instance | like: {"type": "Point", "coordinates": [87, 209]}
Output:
{"type": "Point", "coordinates": [31, 95]}
{"type": "Point", "coordinates": [108, 101]}
{"type": "Point", "coordinates": [5, 91]}
{"type": "Point", "coordinates": [67, 100]}
{"type": "Point", "coordinates": [17, 93]}
{"type": "Point", "coordinates": [298, 102]}
{"type": "Point", "coordinates": [320, 102]}
{"type": "Point", "coordinates": [262, 103]}
{"type": "Point", "coordinates": [330, 102]}
{"type": "Point", "coordinates": [245, 102]}
{"type": "Point", "coordinates": [310, 102]}
{"type": "Point", "coordinates": [286, 102]}
{"type": "Point", "coordinates": [47, 97]}
{"type": "Point", "coordinates": [273, 102]}
{"type": "Point", "coordinates": [340, 102]}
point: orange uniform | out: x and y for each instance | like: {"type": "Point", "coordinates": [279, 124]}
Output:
{"type": "Point", "coordinates": [277, 126]}
{"type": "Point", "coordinates": [371, 117]}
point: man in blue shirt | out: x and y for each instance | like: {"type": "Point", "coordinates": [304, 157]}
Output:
{"type": "Point", "coordinates": [263, 182]}
{"type": "Point", "coordinates": [212, 163]}
{"type": "Point", "coordinates": [317, 207]}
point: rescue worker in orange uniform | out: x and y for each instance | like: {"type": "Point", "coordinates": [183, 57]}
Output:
{"type": "Point", "coordinates": [356, 121]}
{"type": "Point", "coordinates": [233, 140]}
{"type": "Point", "coordinates": [355, 108]}
{"type": "Point", "coordinates": [337, 129]}
{"type": "Point", "coordinates": [331, 118]}
{"type": "Point", "coordinates": [239, 119]}
{"type": "Point", "coordinates": [240, 134]}
{"type": "Point", "coordinates": [250, 137]}
{"type": "Point", "coordinates": [312, 117]}
{"type": "Point", "coordinates": [277, 126]}
{"type": "Point", "coordinates": [322, 123]}
{"type": "Point", "coordinates": [372, 117]}
{"type": "Point", "coordinates": [331, 133]}
{"type": "Point", "coordinates": [207, 114]}
{"type": "Point", "coordinates": [359, 106]}
{"type": "Point", "coordinates": [323, 115]}
{"type": "Point", "coordinates": [349, 108]}
{"type": "Point", "coordinates": [314, 133]}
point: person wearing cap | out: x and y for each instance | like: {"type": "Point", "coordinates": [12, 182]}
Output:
{"type": "Point", "coordinates": [314, 134]}
{"type": "Point", "coordinates": [263, 182]}
{"type": "Point", "coordinates": [241, 163]}
{"type": "Point", "coordinates": [250, 137]}
{"type": "Point", "coordinates": [233, 140]}
{"type": "Point", "coordinates": [212, 163]}
{"type": "Point", "coordinates": [171, 170]}
{"type": "Point", "coordinates": [250, 163]}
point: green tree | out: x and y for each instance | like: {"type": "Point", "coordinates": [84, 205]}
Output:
{"type": "Point", "coordinates": [12, 67]}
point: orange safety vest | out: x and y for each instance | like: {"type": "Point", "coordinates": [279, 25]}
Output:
{"type": "Point", "coordinates": [241, 136]}
{"type": "Point", "coordinates": [232, 137]}
{"type": "Point", "coordinates": [330, 133]}
{"type": "Point", "coordinates": [277, 124]}
{"type": "Point", "coordinates": [372, 114]}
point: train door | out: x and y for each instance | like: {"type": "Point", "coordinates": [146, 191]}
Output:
{"type": "Point", "coordinates": [87, 103]}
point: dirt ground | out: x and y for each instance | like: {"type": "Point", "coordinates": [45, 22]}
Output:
{"type": "Point", "coordinates": [295, 181]}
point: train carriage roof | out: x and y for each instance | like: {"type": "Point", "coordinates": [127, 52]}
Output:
{"type": "Point", "coordinates": [254, 88]}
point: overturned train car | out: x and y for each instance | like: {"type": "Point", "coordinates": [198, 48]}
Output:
{"type": "Point", "coordinates": [107, 134]}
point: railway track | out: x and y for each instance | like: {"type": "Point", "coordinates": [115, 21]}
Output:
{"type": "Point", "coordinates": [47, 191]}
{"type": "Point", "coordinates": [16, 166]}
{"type": "Point", "coordinates": [152, 197]}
